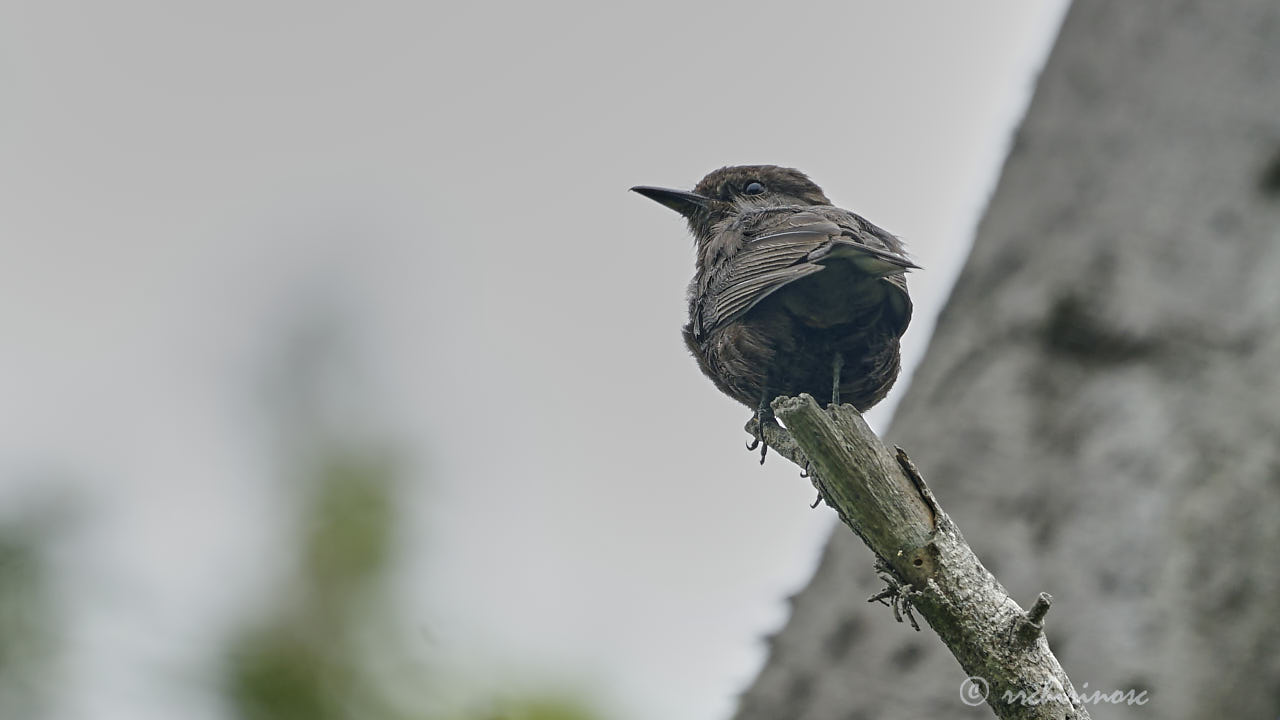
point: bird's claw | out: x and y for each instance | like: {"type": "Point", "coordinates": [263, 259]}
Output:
{"type": "Point", "coordinates": [896, 595]}
{"type": "Point", "coordinates": [759, 441]}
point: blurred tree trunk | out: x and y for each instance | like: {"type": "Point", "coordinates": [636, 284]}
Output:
{"type": "Point", "coordinates": [1099, 409]}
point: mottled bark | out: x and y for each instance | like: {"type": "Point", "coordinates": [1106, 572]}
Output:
{"type": "Point", "coordinates": [1099, 407]}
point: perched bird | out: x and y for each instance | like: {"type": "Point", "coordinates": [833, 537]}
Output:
{"type": "Point", "coordinates": [790, 294]}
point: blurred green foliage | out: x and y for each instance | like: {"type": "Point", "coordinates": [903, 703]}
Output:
{"type": "Point", "coordinates": [543, 709]}
{"type": "Point", "coordinates": [330, 647]}
{"type": "Point", "coordinates": [311, 659]}
{"type": "Point", "coordinates": [349, 526]}
{"type": "Point", "coordinates": [27, 622]}
{"type": "Point", "coordinates": [308, 660]}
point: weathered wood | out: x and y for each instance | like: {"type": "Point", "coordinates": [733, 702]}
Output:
{"type": "Point", "coordinates": [880, 495]}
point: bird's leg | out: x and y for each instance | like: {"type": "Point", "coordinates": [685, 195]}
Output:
{"type": "Point", "coordinates": [764, 414]}
{"type": "Point", "coordinates": [837, 363]}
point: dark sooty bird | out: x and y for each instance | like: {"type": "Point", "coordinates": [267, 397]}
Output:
{"type": "Point", "coordinates": [790, 294]}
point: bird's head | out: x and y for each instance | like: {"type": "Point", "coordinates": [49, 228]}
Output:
{"type": "Point", "coordinates": [730, 190]}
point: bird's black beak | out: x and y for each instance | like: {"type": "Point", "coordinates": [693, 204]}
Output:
{"type": "Point", "coordinates": [685, 203]}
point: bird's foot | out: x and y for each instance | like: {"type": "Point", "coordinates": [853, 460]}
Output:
{"type": "Point", "coordinates": [759, 442]}
{"type": "Point", "coordinates": [896, 594]}
{"type": "Point", "coordinates": [763, 415]}
{"type": "Point", "coordinates": [810, 472]}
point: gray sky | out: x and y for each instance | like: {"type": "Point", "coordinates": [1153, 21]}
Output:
{"type": "Point", "coordinates": [181, 183]}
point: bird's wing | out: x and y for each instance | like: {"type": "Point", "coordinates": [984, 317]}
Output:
{"type": "Point", "coordinates": [786, 249]}
{"type": "Point", "coordinates": [870, 259]}
{"type": "Point", "coordinates": [877, 251]}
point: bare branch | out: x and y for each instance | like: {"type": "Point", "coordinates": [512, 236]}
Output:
{"type": "Point", "coordinates": [880, 495]}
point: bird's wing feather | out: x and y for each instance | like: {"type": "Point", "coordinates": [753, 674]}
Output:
{"type": "Point", "coordinates": [787, 248]}
{"type": "Point", "coordinates": [740, 297]}
{"type": "Point", "coordinates": [872, 260]}
{"type": "Point", "coordinates": [762, 266]}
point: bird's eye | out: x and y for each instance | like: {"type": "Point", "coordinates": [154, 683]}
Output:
{"type": "Point", "coordinates": [754, 188]}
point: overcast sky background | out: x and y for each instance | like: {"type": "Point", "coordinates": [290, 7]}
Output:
{"type": "Point", "coordinates": [184, 185]}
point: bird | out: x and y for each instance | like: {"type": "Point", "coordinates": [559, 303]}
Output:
{"type": "Point", "coordinates": [790, 294]}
